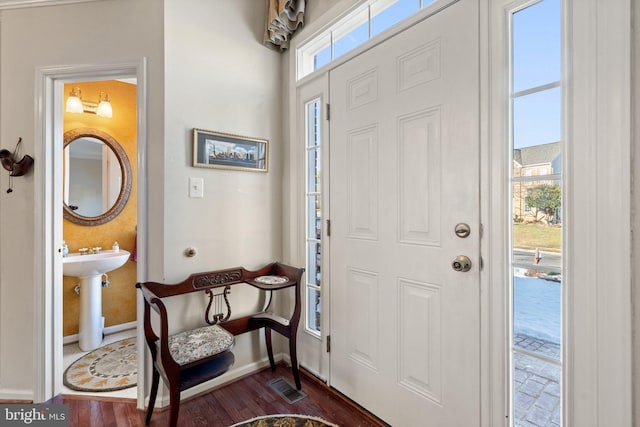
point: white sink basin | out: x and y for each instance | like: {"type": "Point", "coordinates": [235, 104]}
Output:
{"type": "Point", "coordinates": [89, 269]}
{"type": "Point", "coordinates": [77, 265]}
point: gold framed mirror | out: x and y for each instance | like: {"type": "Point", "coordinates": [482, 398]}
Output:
{"type": "Point", "coordinates": [97, 177]}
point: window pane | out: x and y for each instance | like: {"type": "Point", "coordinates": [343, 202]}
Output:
{"type": "Point", "coordinates": [537, 390]}
{"type": "Point", "coordinates": [384, 14]}
{"type": "Point", "coordinates": [537, 214]}
{"type": "Point", "coordinates": [536, 231]}
{"type": "Point", "coordinates": [351, 34]}
{"type": "Point", "coordinates": [538, 160]}
{"type": "Point", "coordinates": [322, 58]}
{"type": "Point", "coordinates": [528, 237]}
{"type": "Point", "coordinates": [314, 273]}
{"type": "Point", "coordinates": [313, 123]}
{"type": "Point", "coordinates": [313, 170]}
{"type": "Point", "coordinates": [313, 309]}
{"type": "Point", "coordinates": [353, 30]}
{"type": "Point", "coordinates": [536, 307]}
{"type": "Point", "coordinates": [314, 220]}
{"type": "Point", "coordinates": [536, 45]}
{"type": "Point", "coordinates": [537, 118]}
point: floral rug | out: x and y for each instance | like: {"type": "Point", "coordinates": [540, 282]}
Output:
{"type": "Point", "coordinates": [109, 368]}
{"type": "Point", "coordinates": [289, 420]}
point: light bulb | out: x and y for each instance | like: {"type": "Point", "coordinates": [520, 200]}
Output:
{"type": "Point", "coordinates": [104, 109]}
{"type": "Point", "coordinates": [104, 106]}
{"type": "Point", "coordinates": [74, 104]}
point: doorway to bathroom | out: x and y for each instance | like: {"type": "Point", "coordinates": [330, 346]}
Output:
{"type": "Point", "coordinates": [124, 133]}
{"type": "Point", "coordinates": [100, 219]}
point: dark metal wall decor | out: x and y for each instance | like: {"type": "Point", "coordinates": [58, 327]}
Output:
{"type": "Point", "coordinates": [11, 163]}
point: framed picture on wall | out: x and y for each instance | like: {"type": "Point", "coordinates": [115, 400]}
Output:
{"type": "Point", "coordinates": [226, 151]}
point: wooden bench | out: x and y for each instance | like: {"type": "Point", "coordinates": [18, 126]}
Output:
{"type": "Point", "coordinates": [192, 357]}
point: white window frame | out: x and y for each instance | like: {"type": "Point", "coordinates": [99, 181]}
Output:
{"type": "Point", "coordinates": [308, 148]}
{"type": "Point", "coordinates": [598, 374]}
{"type": "Point", "coordinates": [539, 172]}
{"type": "Point", "coordinates": [363, 12]}
{"type": "Point", "coordinates": [597, 380]}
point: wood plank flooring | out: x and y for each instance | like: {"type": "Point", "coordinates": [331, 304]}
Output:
{"type": "Point", "coordinates": [241, 400]}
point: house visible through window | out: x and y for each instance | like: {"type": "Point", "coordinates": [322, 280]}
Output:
{"type": "Point", "coordinates": [536, 230]}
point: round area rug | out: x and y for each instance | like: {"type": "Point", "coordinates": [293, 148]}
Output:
{"type": "Point", "coordinates": [109, 368]}
{"type": "Point", "coordinates": [288, 420]}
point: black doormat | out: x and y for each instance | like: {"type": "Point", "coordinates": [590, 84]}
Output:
{"type": "Point", "coordinates": [287, 391]}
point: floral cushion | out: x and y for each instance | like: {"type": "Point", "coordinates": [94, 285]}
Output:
{"type": "Point", "coordinates": [190, 346]}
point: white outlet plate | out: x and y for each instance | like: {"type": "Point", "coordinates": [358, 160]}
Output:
{"type": "Point", "coordinates": [196, 188]}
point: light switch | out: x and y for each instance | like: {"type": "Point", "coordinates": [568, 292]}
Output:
{"type": "Point", "coordinates": [196, 188]}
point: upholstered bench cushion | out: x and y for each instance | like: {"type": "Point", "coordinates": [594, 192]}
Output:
{"type": "Point", "coordinates": [196, 344]}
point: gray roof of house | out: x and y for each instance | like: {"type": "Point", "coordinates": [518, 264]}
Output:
{"type": "Point", "coordinates": [537, 154]}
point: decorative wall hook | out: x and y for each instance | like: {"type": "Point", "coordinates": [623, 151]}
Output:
{"type": "Point", "coordinates": [9, 161]}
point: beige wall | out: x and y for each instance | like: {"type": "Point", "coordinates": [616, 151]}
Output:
{"type": "Point", "coordinates": [88, 33]}
{"type": "Point", "coordinates": [119, 299]}
{"type": "Point", "coordinates": [206, 68]}
{"type": "Point", "coordinates": [219, 77]}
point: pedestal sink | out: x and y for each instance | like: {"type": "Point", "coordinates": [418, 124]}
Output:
{"type": "Point", "coordinates": [89, 269]}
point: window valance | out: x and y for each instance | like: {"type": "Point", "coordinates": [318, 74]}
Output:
{"type": "Point", "coordinates": [283, 18]}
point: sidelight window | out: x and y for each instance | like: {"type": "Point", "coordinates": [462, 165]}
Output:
{"type": "Point", "coordinates": [536, 230]}
{"type": "Point", "coordinates": [313, 215]}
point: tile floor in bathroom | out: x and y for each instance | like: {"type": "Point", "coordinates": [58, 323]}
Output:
{"type": "Point", "coordinates": [72, 352]}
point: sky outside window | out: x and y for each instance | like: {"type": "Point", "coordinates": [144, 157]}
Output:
{"type": "Point", "coordinates": [383, 13]}
{"type": "Point", "coordinates": [537, 118]}
{"type": "Point", "coordinates": [537, 62]}
{"type": "Point", "coordinates": [536, 47]}
{"type": "Point", "coordinates": [536, 209]}
{"type": "Point", "coordinates": [395, 13]}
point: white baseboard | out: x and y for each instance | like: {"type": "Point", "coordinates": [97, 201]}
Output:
{"type": "Point", "coordinates": [70, 339]}
{"type": "Point", "coordinates": [12, 395]}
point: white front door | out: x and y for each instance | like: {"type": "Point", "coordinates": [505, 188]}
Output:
{"type": "Point", "coordinates": [404, 135]}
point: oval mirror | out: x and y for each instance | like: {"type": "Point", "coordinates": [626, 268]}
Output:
{"type": "Point", "coordinates": [97, 177]}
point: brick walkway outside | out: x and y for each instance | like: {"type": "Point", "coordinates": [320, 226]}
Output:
{"type": "Point", "coordinates": [537, 384]}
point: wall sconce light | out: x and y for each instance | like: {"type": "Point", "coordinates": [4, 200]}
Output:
{"type": "Point", "coordinates": [75, 104]}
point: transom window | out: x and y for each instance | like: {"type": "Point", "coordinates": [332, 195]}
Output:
{"type": "Point", "coordinates": [360, 25]}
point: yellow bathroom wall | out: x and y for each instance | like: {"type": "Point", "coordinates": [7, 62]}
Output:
{"type": "Point", "coordinates": [119, 299]}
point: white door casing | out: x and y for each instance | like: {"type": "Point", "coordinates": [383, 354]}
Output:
{"type": "Point", "coordinates": [48, 221]}
{"type": "Point", "coordinates": [404, 135]}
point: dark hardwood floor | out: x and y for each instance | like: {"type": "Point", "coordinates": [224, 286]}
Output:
{"type": "Point", "coordinates": [241, 400]}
